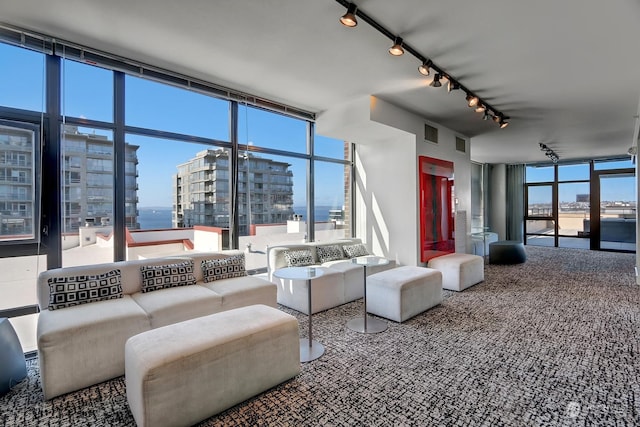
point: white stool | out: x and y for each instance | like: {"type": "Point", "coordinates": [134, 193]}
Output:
{"type": "Point", "coordinates": [459, 271]}
{"type": "Point", "coordinates": [181, 374]}
{"type": "Point", "coordinates": [403, 292]}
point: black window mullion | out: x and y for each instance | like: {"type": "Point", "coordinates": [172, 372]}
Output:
{"type": "Point", "coordinates": [311, 232]}
{"type": "Point", "coordinates": [234, 240]}
{"type": "Point", "coordinates": [119, 154]}
{"type": "Point", "coordinates": [51, 230]}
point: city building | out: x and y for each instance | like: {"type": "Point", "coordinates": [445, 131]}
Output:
{"type": "Point", "coordinates": [202, 187]}
{"type": "Point", "coordinates": [87, 197]}
{"type": "Point", "coordinates": [17, 183]}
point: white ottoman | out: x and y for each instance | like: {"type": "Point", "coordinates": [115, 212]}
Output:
{"type": "Point", "coordinates": [459, 271]}
{"type": "Point", "coordinates": [181, 374]}
{"type": "Point", "coordinates": [403, 292]}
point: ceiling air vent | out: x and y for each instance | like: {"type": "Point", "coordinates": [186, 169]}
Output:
{"type": "Point", "coordinates": [430, 133]}
{"type": "Point", "coordinates": [461, 145]}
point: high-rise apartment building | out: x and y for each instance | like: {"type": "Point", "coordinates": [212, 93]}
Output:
{"type": "Point", "coordinates": [88, 181]}
{"type": "Point", "coordinates": [202, 191]}
{"type": "Point", "coordinates": [17, 182]}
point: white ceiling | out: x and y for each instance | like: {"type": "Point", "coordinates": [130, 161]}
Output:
{"type": "Point", "coordinates": [567, 72]}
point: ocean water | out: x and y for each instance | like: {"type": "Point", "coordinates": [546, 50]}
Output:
{"type": "Point", "coordinates": [156, 218]}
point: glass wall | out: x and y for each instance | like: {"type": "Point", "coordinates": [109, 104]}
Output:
{"type": "Point", "coordinates": [22, 88]}
{"type": "Point", "coordinates": [146, 168]}
{"type": "Point", "coordinates": [563, 199]}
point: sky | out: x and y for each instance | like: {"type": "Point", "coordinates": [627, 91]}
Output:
{"type": "Point", "coordinates": [612, 188]}
{"type": "Point", "coordinates": [88, 93]}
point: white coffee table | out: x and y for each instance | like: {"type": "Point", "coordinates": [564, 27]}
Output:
{"type": "Point", "coordinates": [309, 348]}
{"type": "Point", "coordinates": [365, 324]}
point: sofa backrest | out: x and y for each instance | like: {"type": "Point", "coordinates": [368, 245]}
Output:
{"type": "Point", "coordinates": [275, 254]}
{"type": "Point", "coordinates": [129, 270]}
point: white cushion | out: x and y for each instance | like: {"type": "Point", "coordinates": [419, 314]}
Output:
{"type": "Point", "coordinates": [83, 345]}
{"type": "Point", "coordinates": [190, 371]}
{"type": "Point", "coordinates": [247, 291]}
{"type": "Point", "coordinates": [166, 306]}
{"type": "Point", "coordinates": [403, 292]}
{"type": "Point", "coordinates": [327, 291]}
{"type": "Point", "coordinates": [459, 271]}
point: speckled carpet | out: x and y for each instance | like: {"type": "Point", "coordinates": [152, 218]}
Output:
{"type": "Point", "coordinates": [554, 341]}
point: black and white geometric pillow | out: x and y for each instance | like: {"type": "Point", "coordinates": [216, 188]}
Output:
{"type": "Point", "coordinates": [223, 268]}
{"type": "Point", "coordinates": [298, 258]}
{"type": "Point", "coordinates": [75, 290]}
{"type": "Point", "coordinates": [329, 253]}
{"type": "Point", "coordinates": [155, 277]}
{"type": "Point", "coordinates": [353, 251]}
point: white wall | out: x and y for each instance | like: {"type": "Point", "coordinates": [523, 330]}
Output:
{"type": "Point", "coordinates": [386, 199]}
{"type": "Point", "coordinates": [388, 142]}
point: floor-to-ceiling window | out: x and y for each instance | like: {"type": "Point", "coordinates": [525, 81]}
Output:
{"type": "Point", "coordinates": [614, 205]}
{"type": "Point", "coordinates": [22, 104]}
{"type": "Point", "coordinates": [145, 163]}
{"type": "Point", "coordinates": [584, 204]}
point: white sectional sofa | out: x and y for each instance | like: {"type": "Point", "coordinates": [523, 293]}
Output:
{"type": "Point", "coordinates": [342, 281]}
{"type": "Point", "coordinates": [81, 345]}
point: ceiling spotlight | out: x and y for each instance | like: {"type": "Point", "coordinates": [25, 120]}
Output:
{"type": "Point", "coordinates": [426, 66]}
{"type": "Point", "coordinates": [501, 120]}
{"type": "Point", "coordinates": [349, 18]}
{"type": "Point", "coordinates": [424, 69]}
{"type": "Point", "coordinates": [452, 85]}
{"type": "Point", "coordinates": [549, 153]}
{"type": "Point", "coordinates": [436, 80]}
{"type": "Point", "coordinates": [396, 49]}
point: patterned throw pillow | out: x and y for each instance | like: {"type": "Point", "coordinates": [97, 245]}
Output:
{"type": "Point", "coordinates": [75, 290]}
{"type": "Point", "coordinates": [223, 268]}
{"type": "Point", "coordinates": [298, 258]}
{"type": "Point", "coordinates": [329, 253]}
{"type": "Point", "coordinates": [155, 277]}
{"type": "Point", "coordinates": [353, 251]}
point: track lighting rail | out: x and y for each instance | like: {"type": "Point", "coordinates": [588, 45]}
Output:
{"type": "Point", "coordinates": [353, 12]}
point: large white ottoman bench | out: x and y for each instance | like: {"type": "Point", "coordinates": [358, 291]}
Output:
{"type": "Point", "coordinates": [181, 374]}
{"type": "Point", "coordinates": [403, 292]}
{"type": "Point", "coordinates": [459, 271]}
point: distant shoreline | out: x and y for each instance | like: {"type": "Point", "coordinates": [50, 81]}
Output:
{"type": "Point", "coordinates": [157, 217]}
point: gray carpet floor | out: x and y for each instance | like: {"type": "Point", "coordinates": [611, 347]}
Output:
{"type": "Point", "coordinates": [554, 341]}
